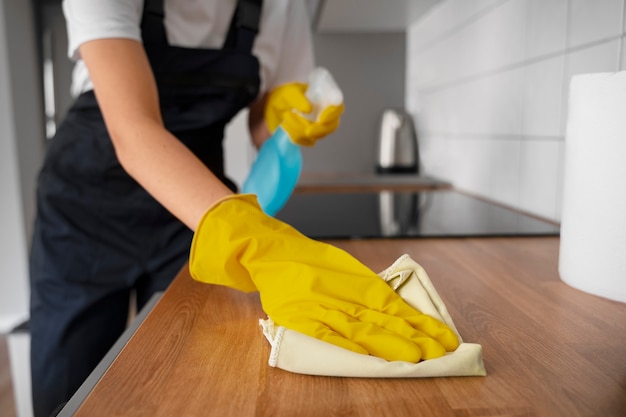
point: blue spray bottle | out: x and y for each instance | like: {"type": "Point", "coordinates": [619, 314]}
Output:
{"type": "Point", "coordinates": [278, 165]}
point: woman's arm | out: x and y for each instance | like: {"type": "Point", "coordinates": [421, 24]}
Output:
{"type": "Point", "coordinates": [126, 91]}
{"type": "Point", "coordinates": [256, 122]}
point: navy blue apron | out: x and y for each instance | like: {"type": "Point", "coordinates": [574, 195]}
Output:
{"type": "Point", "coordinates": [98, 234]}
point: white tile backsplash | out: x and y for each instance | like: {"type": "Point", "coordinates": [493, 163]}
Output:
{"type": "Point", "coordinates": [468, 163]}
{"type": "Point", "coordinates": [487, 106]}
{"type": "Point", "coordinates": [434, 66]}
{"type": "Point", "coordinates": [594, 20]}
{"type": "Point", "coordinates": [471, 164]}
{"type": "Point", "coordinates": [445, 18]}
{"type": "Point", "coordinates": [497, 40]}
{"type": "Point", "coordinates": [432, 114]}
{"type": "Point", "coordinates": [490, 80]}
{"type": "Point", "coordinates": [539, 168]}
{"type": "Point", "coordinates": [434, 154]}
{"type": "Point", "coordinates": [504, 165]}
{"type": "Point", "coordinates": [546, 27]}
{"type": "Point", "coordinates": [543, 95]}
{"type": "Point", "coordinates": [598, 58]}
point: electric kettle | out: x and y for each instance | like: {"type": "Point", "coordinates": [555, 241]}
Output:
{"type": "Point", "coordinates": [397, 144]}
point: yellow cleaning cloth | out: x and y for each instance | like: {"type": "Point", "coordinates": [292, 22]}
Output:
{"type": "Point", "coordinates": [296, 352]}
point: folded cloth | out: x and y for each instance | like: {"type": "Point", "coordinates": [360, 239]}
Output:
{"type": "Point", "coordinates": [298, 353]}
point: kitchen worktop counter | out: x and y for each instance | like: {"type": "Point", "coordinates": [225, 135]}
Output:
{"type": "Point", "coordinates": [315, 183]}
{"type": "Point", "coordinates": [549, 350]}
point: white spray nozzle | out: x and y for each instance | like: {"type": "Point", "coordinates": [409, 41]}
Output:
{"type": "Point", "coordinates": [322, 92]}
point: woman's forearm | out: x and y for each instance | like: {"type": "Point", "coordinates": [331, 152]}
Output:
{"type": "Point", "coordinates": [256, 122]}
{"type": "Point", "coordinates": [128, 98]}
{"type": "Point", "coordinates": [171, 173]}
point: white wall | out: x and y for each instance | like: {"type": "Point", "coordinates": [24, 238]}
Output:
{"type": "Point", "coordinates": [487, 81]}
{"type": "Point", "coordinates": [21, 148]}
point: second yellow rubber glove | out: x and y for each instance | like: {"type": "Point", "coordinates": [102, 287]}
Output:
{"type": "Point", "coordinates": [279, 110]}
{"type": "Point", "coordinates": [309, 286]}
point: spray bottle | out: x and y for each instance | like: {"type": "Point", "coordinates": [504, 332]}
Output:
{"type": "Point", "coordinates": [278, 165]}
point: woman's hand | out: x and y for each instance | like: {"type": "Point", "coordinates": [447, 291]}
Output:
{"type": "Point", "coordinates": [311, 287]}
{"type": "Point", "coordinates": [286, 105]}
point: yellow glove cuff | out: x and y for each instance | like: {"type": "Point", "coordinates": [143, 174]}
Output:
{"type": "Point", "coordinates": [210, 259]}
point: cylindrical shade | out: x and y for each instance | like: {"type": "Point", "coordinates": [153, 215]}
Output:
{"type": "Point", "coordinates": [593, 222]}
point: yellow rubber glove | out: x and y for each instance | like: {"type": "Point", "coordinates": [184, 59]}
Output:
{"type": "Point", "coordinates": [309, 286]}
{"type": "Point", "coordinates": [279, 110]}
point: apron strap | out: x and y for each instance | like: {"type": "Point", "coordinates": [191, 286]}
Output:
{"type": "Point", "coordinates": [244, 25]}
{"type": "Point", "coordinates": [152, 22]}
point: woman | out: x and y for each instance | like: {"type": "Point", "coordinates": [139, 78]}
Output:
{"type": "Point", "coordinates": [135, 172]}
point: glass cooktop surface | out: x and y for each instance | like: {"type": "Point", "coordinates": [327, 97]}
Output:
{"type": "Point", "coordinates": [403, 214]}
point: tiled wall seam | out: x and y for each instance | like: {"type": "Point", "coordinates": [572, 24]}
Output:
{"type": "Point", "coordinates": [565, 82]}
{"type": "Point", "coordinates": [621, 42]}
{"type": "Point", "coordinates": [518, 65]}
{"type": "Point", "coordinates": [461, 25]}
{"type": "Point", "coordinates": [557, 198]}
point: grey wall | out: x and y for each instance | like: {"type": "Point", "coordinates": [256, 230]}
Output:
{"type": "Point", "coordinates": [370, 69]}
{"type": "Point", "coordinates": [54, 39]}
{"type": "Point", "coordinates": [21, 151]}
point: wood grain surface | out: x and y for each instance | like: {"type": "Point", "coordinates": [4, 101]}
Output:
{"type": "Point", "coordinates": [550, 350]}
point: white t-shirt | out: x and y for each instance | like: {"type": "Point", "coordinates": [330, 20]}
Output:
{"type": "Point", "coordinates": [283, 44]}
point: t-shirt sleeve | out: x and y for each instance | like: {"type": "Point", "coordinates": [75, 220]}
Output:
{"type": "Point", "coordinates": [88, 20]}
{"type": "Point", "coordinates": [296, 57]}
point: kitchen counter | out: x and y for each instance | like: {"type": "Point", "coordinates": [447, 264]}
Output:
{"type": "Point", "coordinates": [549, 350]}
{"type": "Point", "coordinates": [315, 183]}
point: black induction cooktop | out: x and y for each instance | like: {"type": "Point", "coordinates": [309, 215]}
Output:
{"type": "Point", "coordinates": [404, 214]}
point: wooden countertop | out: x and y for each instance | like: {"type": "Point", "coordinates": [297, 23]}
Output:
{"type": "Point", "coordinates": [342, 183]}
{"type": "Point", "coordinates": [550, 350]}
